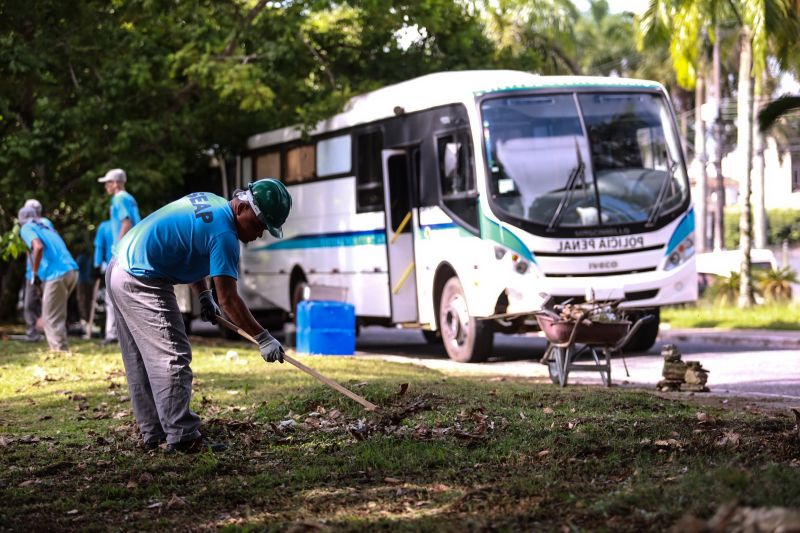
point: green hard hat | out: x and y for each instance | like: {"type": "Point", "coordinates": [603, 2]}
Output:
{"type": "Point", "coordinates": [273, 202]}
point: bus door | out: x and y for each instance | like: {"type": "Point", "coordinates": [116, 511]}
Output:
{"type": "Point", "coordinates": [397, 174]}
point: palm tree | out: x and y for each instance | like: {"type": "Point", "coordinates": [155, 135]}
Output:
{"type": "Point", "coordinates": [688, 27]}
{"type": "Point", "coordinates": [544, 27]}
{"type": "Point", "coordinates": [773, 111]}
{"type": "Point", "coordinates": [765, 25]}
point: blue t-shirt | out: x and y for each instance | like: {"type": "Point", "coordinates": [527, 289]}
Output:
{"type": "Point", "coordinates": [123, 206]}
{"type": "Point", "coordinates": [183, 242]}
{"type": "Point", "coordinates": [103, 242]}
{"type": "Point", "coordinates": [29, 262]}
{"type": "Point", "coordinates": [56, 259]}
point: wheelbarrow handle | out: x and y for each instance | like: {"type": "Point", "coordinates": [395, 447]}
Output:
{"type": "Point", "coordinates": [631, 332]}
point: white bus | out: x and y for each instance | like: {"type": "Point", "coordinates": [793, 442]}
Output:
{"type": "Point", "coordinates": [456, 202]}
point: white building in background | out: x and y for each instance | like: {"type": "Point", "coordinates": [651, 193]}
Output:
{"type": "Point", "coordinates": [781, 177]}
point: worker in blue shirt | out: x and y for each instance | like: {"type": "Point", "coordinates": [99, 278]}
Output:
{"type": "Point", "coordinates": [53, 272]}
{"type": "Point", "coordinates": [32, 301]}
{"type": "Point", "coordinates": [185, 241]}
{"type": "Point", "coordinates": [124, 211]}
{"type": "Point", "coordinates": [103, 244]}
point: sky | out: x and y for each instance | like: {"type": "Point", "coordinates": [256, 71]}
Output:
{"type": "Point", "coordinates": [616, 6]}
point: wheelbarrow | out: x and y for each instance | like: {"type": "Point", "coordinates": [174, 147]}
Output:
{"type": "Point", "coordinates": [569, 339]}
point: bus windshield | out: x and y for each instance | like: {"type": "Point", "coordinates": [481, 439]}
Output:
{"type": "Point", "coordinates": [583, 159]}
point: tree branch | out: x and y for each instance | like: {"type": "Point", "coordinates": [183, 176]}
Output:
{"type": "Point", "coordinates": [320, 60]}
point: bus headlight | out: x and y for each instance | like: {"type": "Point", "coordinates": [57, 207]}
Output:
{"type": "Point", "coordinates": [680, 253]}
{"type": "Point", "coordinates": [522, 266]}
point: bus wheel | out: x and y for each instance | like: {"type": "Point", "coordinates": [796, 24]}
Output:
{"type": "Point", "coordinates": [645, 338]}
{"type": "Point", "coordinates": [298, 296]}
{"type": "Point", "coordinates": [465, 339]}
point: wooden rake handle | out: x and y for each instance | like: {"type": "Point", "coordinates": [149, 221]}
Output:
{"type": "Point", "coordinates": [369, 406]}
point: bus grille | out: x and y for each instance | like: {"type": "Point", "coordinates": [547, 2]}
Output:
{"type": "Point", "coordinates": [593, 274]}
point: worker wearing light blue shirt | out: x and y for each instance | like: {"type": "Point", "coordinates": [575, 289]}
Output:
{"type": "Point", "coordinates": [54, 272]}
{"type": "Point", "coordinates": [185, 242]}
{"type": "Point", "coordinates": [124, 211]}
{"type": "Point", "coordinates": [103, 244]}
{"type": "Point", "coordinates": [32, 300]}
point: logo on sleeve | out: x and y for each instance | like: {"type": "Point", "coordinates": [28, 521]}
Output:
{"type": "Point", "coordinates": [202, 209]}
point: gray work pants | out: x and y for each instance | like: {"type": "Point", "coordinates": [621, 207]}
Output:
{"type": "Point", "coordinates": [111, 322]}
{"type": "Point", "coordinates": [55, 294]}
{"type": "Point", "coordinates": [156, 354]}
{"type": "Point", "coordinates": [31, 309]}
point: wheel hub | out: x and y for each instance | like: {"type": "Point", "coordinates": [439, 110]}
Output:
{"type": "Point", "coordinates": [456, 320]}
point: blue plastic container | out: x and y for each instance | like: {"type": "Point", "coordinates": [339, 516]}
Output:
{"type": "Point", "coordinates": [326, 328]}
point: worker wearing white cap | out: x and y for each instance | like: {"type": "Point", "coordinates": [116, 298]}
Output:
{"type": "Point", "coordinates": [32, 300]}
{"type": "Point", "coordinates": [54, 273]}
{"type": "Point", "coordinates": [124, 215]}
{"type": "Point", "coordinates": [124, 211]}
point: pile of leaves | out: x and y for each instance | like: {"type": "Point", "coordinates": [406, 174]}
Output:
{"type": "Point", "coordinates": [401, 420]}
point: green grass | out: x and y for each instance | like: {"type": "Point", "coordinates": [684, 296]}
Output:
{"type": "Point", "coordinates": [479, 454]}
{"type": "Point", "coordinates": [706, 315]}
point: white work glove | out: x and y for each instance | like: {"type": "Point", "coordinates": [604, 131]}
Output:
{"type": "Point", "coordinates": [271, 349]}
{"type": "Point", "coordinates": [208, 307]}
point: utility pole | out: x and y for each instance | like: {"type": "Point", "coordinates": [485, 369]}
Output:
{"type": "Point", "coordinates": [759, 211]}
{"type": "Point", "coordinates": [701, 202]}
{"type": "Point", "coordinates": [719, 207]}
{"type": "Point", "coordinates": [745, 153]}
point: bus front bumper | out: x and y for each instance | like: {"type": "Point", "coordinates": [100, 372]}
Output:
{"type": "Point", "coordinates": [647, 289]}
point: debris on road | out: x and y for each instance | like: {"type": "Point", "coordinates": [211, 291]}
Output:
{"type": "Point", "coordinates": [685, 376]}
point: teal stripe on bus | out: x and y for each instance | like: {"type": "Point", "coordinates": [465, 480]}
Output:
{"type": "Point", "coordinates": [329, 240]}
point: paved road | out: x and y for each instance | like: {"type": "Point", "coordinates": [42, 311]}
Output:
{"type": "Point", "coordinates": [733, 370]}
{"type": "Point", "coordinates": [736, 370]}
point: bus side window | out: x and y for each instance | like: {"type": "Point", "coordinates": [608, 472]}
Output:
{"type": "Point", "coordinates": [268, 165]}
{"type": "Point", "coordinates": [369, 175]}
{"type": "Point", "coordinates": [300, 164]}
{"type": "Point", "coordinates": [457, 176]}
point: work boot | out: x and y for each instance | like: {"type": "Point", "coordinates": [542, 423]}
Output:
{"type": "Point", "coordinates": [153, 444]}
{"type": "Point", "coordinates": [195, 446]}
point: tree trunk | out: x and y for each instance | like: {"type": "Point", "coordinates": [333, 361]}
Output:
{"type": "Point", "coordinates": [700, 203]}
{"type": "Point", "coordinates": [719, 205]}
{"type": "Point", "coordinates": [745, 149]}
{"type": "Point", "coordinates": [759, 211]}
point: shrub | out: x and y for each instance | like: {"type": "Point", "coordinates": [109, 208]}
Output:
{"type": "Point", "coordinates": [725, 290]}
{"type": "Point", "coordinates": [776, 284]}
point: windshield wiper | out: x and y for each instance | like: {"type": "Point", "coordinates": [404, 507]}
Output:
{"type": "Point", "coordinates": [656, 210]}
{"type": "Point", "coordinates": [572, 181]}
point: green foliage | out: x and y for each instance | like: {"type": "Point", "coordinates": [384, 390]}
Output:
{"type": "Point", "coordinates": [782, 224]}
{"type": "Point", "coordinates": [11, 244]}
{"type": "Point", "coordinates": [708, 314]}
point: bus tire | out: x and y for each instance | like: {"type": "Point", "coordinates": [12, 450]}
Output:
{"type": "Point", "coordinates": [465, 339]}
{"type": "Point", "coordinates": [297, 296]}
{"type": "Point", "coordinates": [645, 338]}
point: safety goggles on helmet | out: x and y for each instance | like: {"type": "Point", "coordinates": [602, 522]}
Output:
{"type": "Point", "coordinates": [270, 201]}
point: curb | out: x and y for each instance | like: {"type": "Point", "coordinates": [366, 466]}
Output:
{"type": "Point", "coordinates": [785, 340]}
